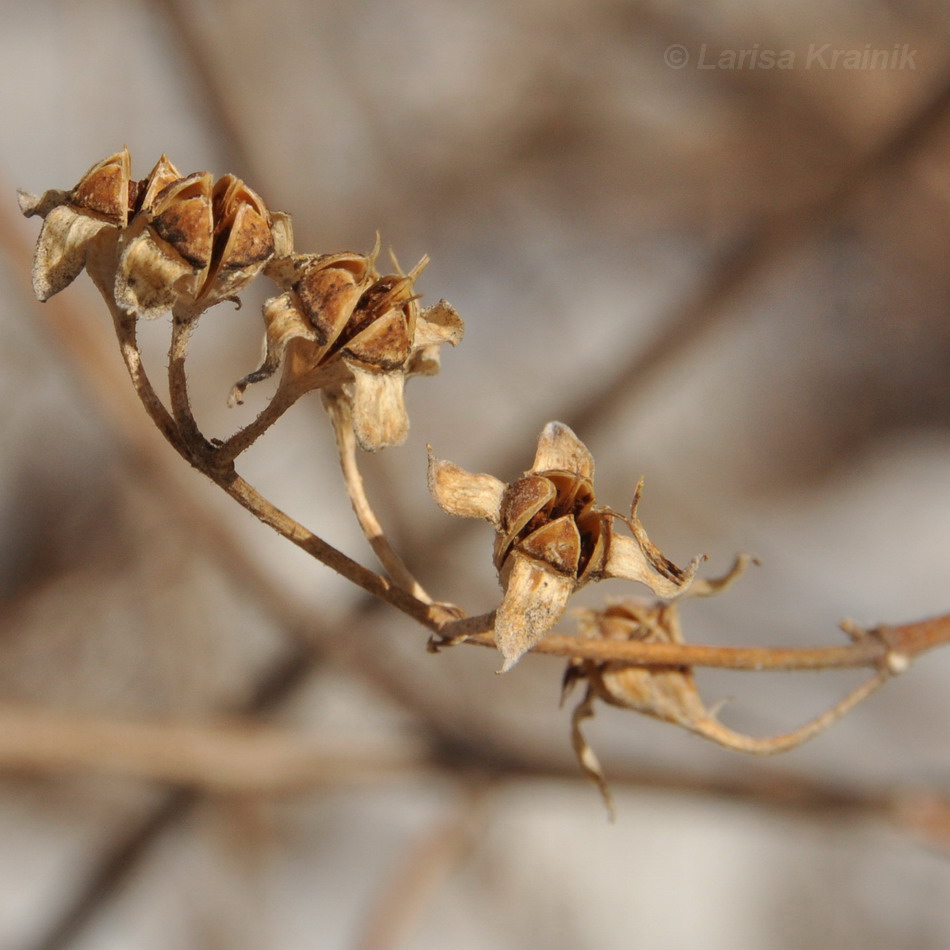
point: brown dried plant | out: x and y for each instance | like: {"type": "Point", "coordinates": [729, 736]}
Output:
{"type": "Point", "coordinates": [179, 244]}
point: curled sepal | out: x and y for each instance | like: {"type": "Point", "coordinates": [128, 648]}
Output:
{"type": "Point", "coordinates": [586, 757]}
{"type": "Point", "coordinates": [535, 599]}
{"type": "Point", "coordinates": [72, 219]}
{"type": "Point", "coordinates": [630, 559]}
{"type": "Point", "coordinates": [465, 494]}
{"type": "Point", "coordinates": [283, 323]}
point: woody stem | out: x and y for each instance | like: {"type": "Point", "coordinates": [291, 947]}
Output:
{"type": "Point", "coordinates": [341, 417]}
{"type": "Point", "coordinates": [892, 646]}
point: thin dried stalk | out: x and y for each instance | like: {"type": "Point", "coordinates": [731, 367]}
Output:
{"type": "Point", "coordinates": [341, 418]}
{"type": "Point", "coordinates": [244, 438]}
{"type": "Point", "coordinates": [183, 324]}
{"type": "Point", "coordinates": [894, 646]}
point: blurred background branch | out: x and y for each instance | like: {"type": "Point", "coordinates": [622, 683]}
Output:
{"type": "Point", "coordinates": [731, 281]}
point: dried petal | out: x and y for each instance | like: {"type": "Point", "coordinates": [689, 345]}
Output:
{"type": "Point", "coordinates": [60, 253]}
{"type": "Point", "coordinates": [463, 493]}
{"type": "Point", "coordinates": [283, 231]}
{"type": "Point", "coordinates": [183, 218]}
{"type": "Point", "coordinates": [379, 410]}
{"type": "Point", "coordinates": [329, 289]}
{"type": "Point", "coordinates": [559, 448]}
{"type": "Point", "coordinates": [159, 178]}
{"type": "Point", "coordinates": [104, 189]}
{"type": "Point", "coordinates": [384, 343]}
{"type": "Point", "coordinates": [535, 598]}
{"type": "Point", "coordinates": [522, 501]}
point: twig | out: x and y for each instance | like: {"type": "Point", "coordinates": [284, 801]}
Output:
{"type": "Point", "coordinates": [341, 418]}
{"type": "Point", "coordinates": [183, 324]}
{"type": "Point", "coordinates": [893, 646]}
{"type": "Point", "coordinates": [244, 438]}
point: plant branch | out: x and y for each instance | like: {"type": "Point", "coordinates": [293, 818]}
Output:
{"type": "Point", "coordinates": [183, 323]}
{"type": "Point", "coordinates": [341, 418]}
{"type": "Point", "coordinates": [893, 646]}
{"type": "Point", "coordinates": [244, 438]}
{"type": "Point", "coordinates": [181, 431]}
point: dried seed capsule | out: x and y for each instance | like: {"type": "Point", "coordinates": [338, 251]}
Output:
{"type": "Point", "coordinates": [341, 328]}
{"type": "Point", "coordinates": [551, 538]}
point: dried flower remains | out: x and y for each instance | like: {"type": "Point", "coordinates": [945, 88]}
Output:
{"type": "Point", "coordinates": [183, 243]}
{"type": "Point", "coordinates": [342, 328]}
{"type": "Point", "coordinates": [164, 243]}
{"type": "Point", "coordinates": [551, 538]}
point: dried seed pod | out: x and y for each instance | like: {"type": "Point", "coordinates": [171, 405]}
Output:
{"type": "Point", "coordinates": [158, 244]}
{"type": "Point", "coordinates": [192, 245]}
{"type": "Point", "coordinates": [341, 328]}
{"type": "Point", "coordinates": [551, 538]}
{"type": "Point", "coordinates": [166, 251]}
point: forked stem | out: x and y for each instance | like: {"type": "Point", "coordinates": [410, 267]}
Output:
{"type": "Point", "coordinates": [244, 438]}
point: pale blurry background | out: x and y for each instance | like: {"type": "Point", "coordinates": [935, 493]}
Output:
{"type": "Point", "coordinates": [731, 281]}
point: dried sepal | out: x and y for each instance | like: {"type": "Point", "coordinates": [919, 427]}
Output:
{"type": "Point", "coordinates": [669, 693]}
{"type": "Point", "coordinates": [193, 244]}
{"type": "Point", "coordinates": [378, 406]}
{"type": "Point", "coordinates": [559, 448]}
{"type": "Point", "coordinates": [630, 559]}
{"type": "Point", "coordinates": [342, 328]}
{"type": "Point", "coordinates": [72, 219]}
{"type": "Point", "coordinates": [535, 600]}
{"type": "Point", "coordinates": [548, 518]}
{"type": "Point", "coordinates": [150, 272]}
{"type": "Point", "coordinates": [586, 757]}
{"type": "Point", "coordinates": [465, 494]}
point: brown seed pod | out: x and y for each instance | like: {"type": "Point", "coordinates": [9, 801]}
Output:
{"type": "Point", "coordinates": [551, 538]}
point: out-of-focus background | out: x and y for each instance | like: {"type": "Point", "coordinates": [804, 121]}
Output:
{"type": "Point", "coordinates": [729, 278]}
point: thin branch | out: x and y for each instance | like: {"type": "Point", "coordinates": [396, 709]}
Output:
{"type": "Point", "coordinates": [892, 646]}
{"type": "Point", "coordinates": [341, 418]}
{"type": "Point", "coordinates": [429, 615]}
{"type": "Point", "coordinates": [244, 438]}
{"type": "Point", "coordinates": [183, 324]}
{"type": "Point", "coordinates": [192, 446]}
